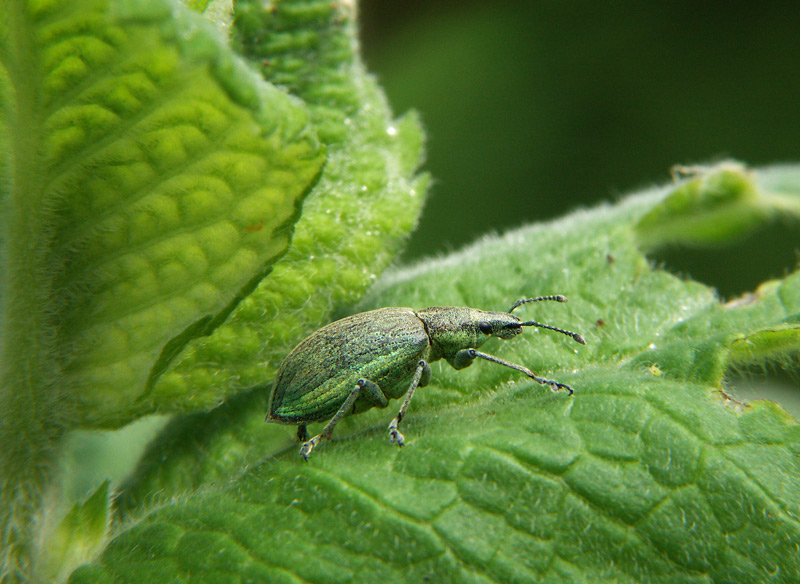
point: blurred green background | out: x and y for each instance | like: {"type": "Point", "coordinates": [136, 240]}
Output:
{"type": "Point", "coordinates": [535, 108]}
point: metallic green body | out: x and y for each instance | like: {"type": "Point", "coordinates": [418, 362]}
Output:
{"type": "Point", "coordinates": [384, 346]}
{"type": "Point", "coordinates": [314, 380]}
{"type": "Point", "coordinates": [364, 360]}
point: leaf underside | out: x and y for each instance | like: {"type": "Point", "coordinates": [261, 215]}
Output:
{"type": "Point", "coordinates": [155, 178]}
{"type": "Point", "coordinates": [354, 221]}
{"type": "Point", "coordinates": [156, 163]}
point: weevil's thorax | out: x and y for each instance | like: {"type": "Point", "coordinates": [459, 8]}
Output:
{"type": "Point", "coordinates": [453, 328]}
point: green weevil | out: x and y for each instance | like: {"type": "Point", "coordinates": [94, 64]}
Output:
{"type": "Point", "coordinates": [364, 360]}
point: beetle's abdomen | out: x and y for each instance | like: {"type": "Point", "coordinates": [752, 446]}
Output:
{"type": "Point", "coordinates": [381, 345]}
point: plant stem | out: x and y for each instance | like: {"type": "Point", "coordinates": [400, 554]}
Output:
{"type": "Point", "coordinates": [31, 415]}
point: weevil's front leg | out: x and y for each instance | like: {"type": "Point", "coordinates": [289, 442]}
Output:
{"type": "Point", "coordinates": [370, 390]}
{"type": "Point", "coordinates": [465, 357]}
{"type": "Point", "coordinates": [421, 378]}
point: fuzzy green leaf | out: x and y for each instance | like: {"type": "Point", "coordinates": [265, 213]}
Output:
{"type": "Point", "coordinates": [353, 222]}
{"type": "Point", "coordinates": [78, 537]}
{"type": "Point", "coordinates": [155, 178]}
{"type": "Point", "coordinates": [150, 179]}
{"type": "Point", "coordinates": [712, 207]}
{"type": "Point", "coordinates": [648, 473]}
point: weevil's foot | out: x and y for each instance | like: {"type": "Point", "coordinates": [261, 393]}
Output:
{"type": "Point", "coordinates": [307, 447]}
{"type": "Point", "coordinates": [395, 437]}
{"type": "Point", "coordinates": [555, 386]}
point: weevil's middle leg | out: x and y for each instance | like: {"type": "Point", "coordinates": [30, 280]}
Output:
{"type": "Point", "coordinates": [421, 378]}
{"type": "Point", "coordinates": [466, 356]}
{"type": "Point", "coordinates": [370, 390]}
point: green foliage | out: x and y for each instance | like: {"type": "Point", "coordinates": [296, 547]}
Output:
{"type": "Point", "coordinates": [649, 473]}
{"type": "Point", "coordinates": [78, 537]}
{"type": "Point", "coordinates": [152, 178]}
{"type": "Point", "coordinates": [183, 200]}
{"type": "Point", "coordinates": [354, 221]}
{"type": "Point", "coordinates": [138, 175]}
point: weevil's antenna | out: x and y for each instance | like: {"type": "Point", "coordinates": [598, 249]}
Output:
{"type": "Point", "coordinates": [556, 297]}
{"type": "Point", "coordinates": [575, 336]}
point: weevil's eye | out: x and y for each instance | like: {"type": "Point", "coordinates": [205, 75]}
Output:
{"type": "Point", "coordinates": [485, 328]}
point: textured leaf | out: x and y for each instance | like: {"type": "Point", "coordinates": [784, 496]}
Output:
{"type": "Point", "coordinates": [150, 179]}
{"type": "Point", "coordinates": [648, 473]}
{"type": "Point", "coordinates": [353, 222]}
{"type": "Point", "coordinates": [77, 538]}
{"type": "Point", "coordinates": [155, 179]}
{"type": "Point", "coordinates": [218, 12]}
{"type": "Point", "coordinates": [712, 207]}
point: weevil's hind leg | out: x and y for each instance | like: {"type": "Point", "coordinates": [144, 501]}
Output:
{"type": "Point", "coordinates": [421, 378]}
{"type": "Point", "coordinates": [466, 356]}
{"type": "Point", "coordinates": [302, 433]}
{"type": "Point", "coordinates": [370, 390]}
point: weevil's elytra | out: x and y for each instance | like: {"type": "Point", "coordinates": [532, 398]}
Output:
{"type": "Point", "coordinates": [382, 345]}
{"type": "Point", "coordinates": [367, 359]}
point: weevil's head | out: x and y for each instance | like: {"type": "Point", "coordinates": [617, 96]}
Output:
{"type": "Point", "coordinates": [453, 328]}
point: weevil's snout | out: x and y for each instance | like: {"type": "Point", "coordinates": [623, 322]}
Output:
{"type": "Point", "coordinates": [500, 324]}
{"type": "Point", "coordinates": [509, 331]}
